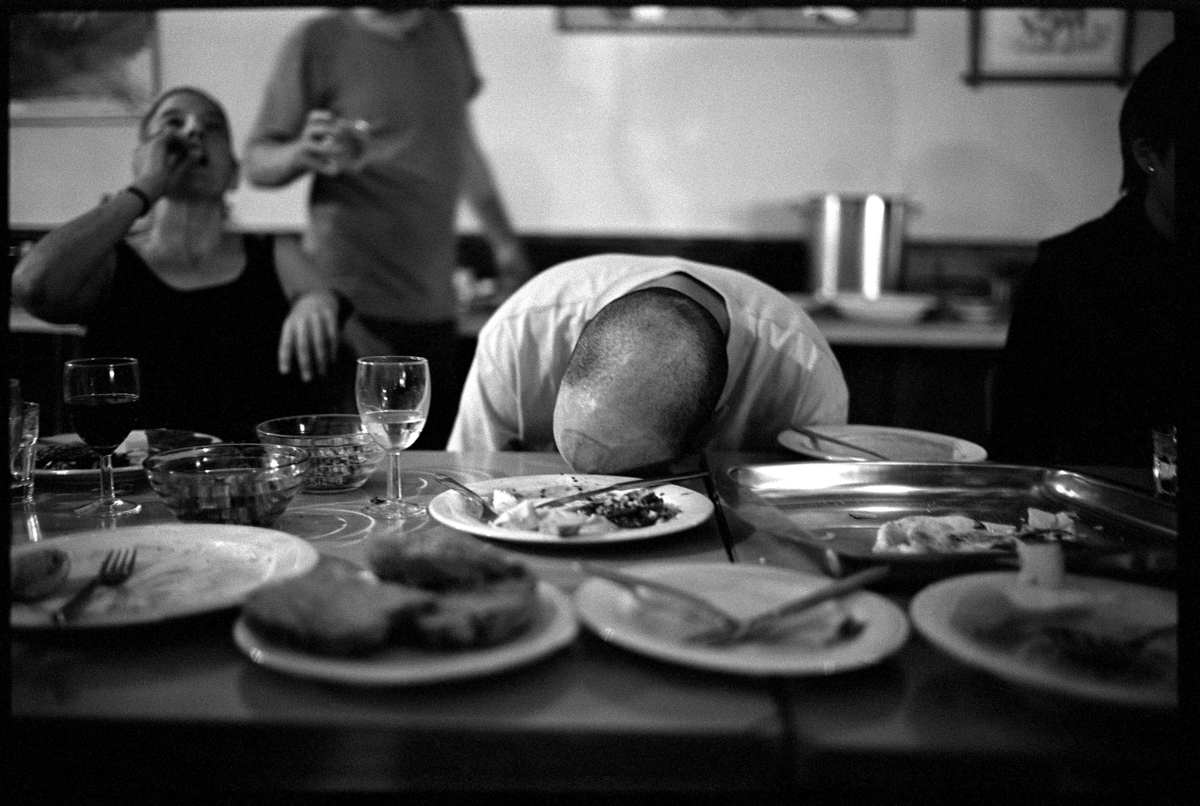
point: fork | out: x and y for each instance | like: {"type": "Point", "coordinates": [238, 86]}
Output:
{"type": "Point", "coordinates": [488, 515]}
{"type": "Point", "coordinates": [114, 570]}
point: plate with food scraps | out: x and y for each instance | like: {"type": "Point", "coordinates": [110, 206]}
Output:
{"type": "Point", "coordinates": [554, 628]}
{"type": "Point", "coordinates": [182, 569]}
{"type": "Point", "coordinates": [927, 520]}
{"type": "Point", "coordinates": [814, 644]}
{"type": "Point", "coordinates": [64, 458]}
{"type": "Point", "coordinates": [664, 510]}
{"type": "Point", "coordinates": [897, 444]}
{"type": "Point", "coordinates": [1086, 647]}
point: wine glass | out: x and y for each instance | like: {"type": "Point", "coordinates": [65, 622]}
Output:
{"type": "Point", "coordinates": [101, 396]}
{"type": "Point", "coordinates": [393, 399]}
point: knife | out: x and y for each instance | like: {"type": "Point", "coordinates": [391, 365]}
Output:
{"type": "Point", "coordinates": [624, 485]}
{"type": "Point", "coordinates": [819, 437]}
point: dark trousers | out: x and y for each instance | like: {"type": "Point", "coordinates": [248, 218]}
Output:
{"type": "Point", "coordinates": [436, 343]}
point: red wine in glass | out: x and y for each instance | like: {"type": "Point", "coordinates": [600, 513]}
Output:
{"type": "Point", "coordinates": [103, 421]}
{"type": "Point", "coordinates": [101, 396]}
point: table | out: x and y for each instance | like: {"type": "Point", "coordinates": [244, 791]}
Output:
{"type": "Point", "coordinates": [176, 709]}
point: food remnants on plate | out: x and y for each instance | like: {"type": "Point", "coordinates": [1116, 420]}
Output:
{"type": "Point", "coordinates": [598, 514]}
{"type": "Point", "coordinates": [918, 534]}
{"type": "Point", "coordinates": [38, 574]}
{"type": "Point", "coordinates": [1044, 621]}
{"type": "Point", "coordinates": [74, 455]}
{"type": "Point", "coordinates": [444, 591]}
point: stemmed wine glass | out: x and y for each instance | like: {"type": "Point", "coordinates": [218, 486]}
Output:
{"type": "Point", "coordinates": [393, 399]}
{"type": "Point", "coordinates": [101, 396]}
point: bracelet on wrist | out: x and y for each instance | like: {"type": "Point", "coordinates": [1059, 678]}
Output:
{"type": "Point", "coordinates": [141, 195]}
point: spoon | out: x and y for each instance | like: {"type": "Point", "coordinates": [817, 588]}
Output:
{"type": "Point", "coordinates": [488, 515]}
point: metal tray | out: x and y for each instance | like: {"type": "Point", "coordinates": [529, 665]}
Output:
{"type": "Point", "coordinates": [840, 506]}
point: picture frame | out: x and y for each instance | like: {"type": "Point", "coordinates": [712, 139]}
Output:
{"type": "Point", "coordinates": [82, 68]}
{"type": "Point", "coordinates": [648, 19]}
{"type": "Point", "coordinates": [1051, 44]}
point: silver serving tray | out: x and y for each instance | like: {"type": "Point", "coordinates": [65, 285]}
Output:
{"type": "Point", "coordinates": [840, 506]}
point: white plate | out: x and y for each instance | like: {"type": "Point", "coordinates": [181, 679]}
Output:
{"type": "Point", "coordinates": [617, 616]}
{"type": "Point", "coordinates": [886, 309]}
{"type": "Point", "coordinates": [897, 444]}
{"type": "Point", "coordinates": [947, 613]}
{"type": "Point", "coordinates": [554, 628]}
{"type": "Point", "coordinates": [135, 447]}
{"type": "Point", "coordinates": [453, 509]}
{"type": "Point", "coordinates": [182, 569]}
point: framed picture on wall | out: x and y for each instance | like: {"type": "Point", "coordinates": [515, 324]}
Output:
{"type": "Point", "coordinates": [737, 19]}
{"type": "Point", "coordinates": [1051, 44]}
{"type": "Point", "coordinates": [82, 68]}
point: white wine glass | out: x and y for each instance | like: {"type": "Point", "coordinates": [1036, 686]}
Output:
{"type": "Point", "coordinates": [392, 392]}
{"type": "Point", "coordinates": [101, 396]}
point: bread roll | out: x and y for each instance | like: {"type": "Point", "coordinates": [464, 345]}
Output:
{"type": "Point", "coordinates": [483, 596]}
{"type": "Point", "coordinates": [335, 610]}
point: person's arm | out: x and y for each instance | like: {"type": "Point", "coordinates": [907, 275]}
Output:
{"type": "Point", "coordinates": [487, 416]}
{"type": "Point", "coordinates": [1023, 405]}
{"type": "Point", "coordinates": [64, 275]}
{"type": "Point", "coordinates": [309, 335]}
{"type": "Point", "coordinates": [483, 195]}
{"type": "Point", "coordinates": [321, 147]}
{"type": "Point", "coordinates": [289, 138]}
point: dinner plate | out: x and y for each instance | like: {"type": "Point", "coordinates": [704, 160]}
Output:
{"type": "Point", "coordinates": [621, 618]}
{"type": "Point", "coordinates": [885, 309]}
{"type": "Point", "coordinates": [951, 613]}
{"type": "Point", "coordinates": [897, 444]}
{"type": "Point", "coordinates": [182, 569]}
{"type": "Point", "coordinates": [554, 628]}
{"type": "Point", "coordinates": [135, 447]}
{"type": "Point", "coordinates": [454, 510]}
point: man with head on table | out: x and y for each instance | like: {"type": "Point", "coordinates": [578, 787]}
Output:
{"type": "Point", "coordinates": [629, 363]}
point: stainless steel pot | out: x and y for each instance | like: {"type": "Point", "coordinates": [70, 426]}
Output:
{"type": "Point", "coordinates": [855, 243]}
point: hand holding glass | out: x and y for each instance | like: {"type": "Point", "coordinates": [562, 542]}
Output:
{"type": "Point", "coordinates": [101, 396]}
{"type": "Point", "coordinates": [393, 399]}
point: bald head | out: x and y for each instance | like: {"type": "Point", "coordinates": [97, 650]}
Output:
{"type": "Point", "coordinates": [641, 383]}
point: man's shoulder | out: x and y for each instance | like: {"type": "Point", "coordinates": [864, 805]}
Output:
{"type": "Point", "coordinates": [330, 25]}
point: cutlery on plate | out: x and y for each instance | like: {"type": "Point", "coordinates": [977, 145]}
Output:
{"type": "Point", "coordinates": [114, 570]}
{"type": "Point", "coordinates": [760, 625]}
{"type": "Point", "coordinates": [635, 584]}
{"type": "Point", "coordinates": [624, 485]}
{"type": "Point", "coordinates": [488, 514]}
{"type": "Point", "coordinates": [819, 437]}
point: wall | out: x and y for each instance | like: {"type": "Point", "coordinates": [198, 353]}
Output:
{"type": "Point", "coordinates": [682, 134]}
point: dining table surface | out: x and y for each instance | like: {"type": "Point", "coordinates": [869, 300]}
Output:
{"type": "Point", "coordinates": [177, 707]}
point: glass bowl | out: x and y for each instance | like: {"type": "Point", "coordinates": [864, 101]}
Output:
{"type": "Point", "coordinates": [232, 482]}
{"type": "Point", "coordinates": [342, 455]}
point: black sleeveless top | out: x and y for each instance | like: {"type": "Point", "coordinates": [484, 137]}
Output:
{"type": "Point", "coordinates": [208, 356]}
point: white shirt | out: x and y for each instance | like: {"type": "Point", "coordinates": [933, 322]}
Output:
{"type": "Point", "coordinates": [782, 371]}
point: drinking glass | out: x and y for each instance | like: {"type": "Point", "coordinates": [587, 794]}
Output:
{"type": "Point", "coordinates": [392, 392]}
{"type": "Point", "coordinates": [1163, 439]}
{"type": "Point", "coordinates": [101, 396]}
{"type": "Point", "coordinates": [20, 452]}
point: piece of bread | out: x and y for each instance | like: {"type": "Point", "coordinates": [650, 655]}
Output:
{"type": "Point", "coordinates": [441, 561]}
{"type": "Point", "coordinates": [482, 596]}
{"type": "Point", "coordinates": [335, 610]}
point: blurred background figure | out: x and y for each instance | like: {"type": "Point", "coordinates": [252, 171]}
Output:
{"type": "Point", "coordinates": [373, 104]}
{"type": "Point", "coordinates": [630, 363]}
{"type": "Point", "coordinates": [1095, 355]}
{"type": "Point", "coordinates": [229, 329]}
